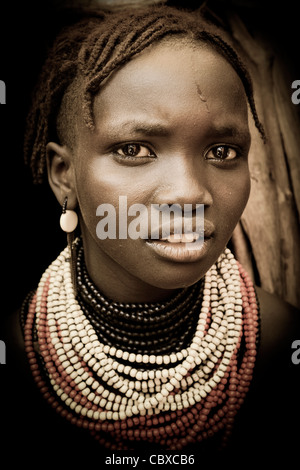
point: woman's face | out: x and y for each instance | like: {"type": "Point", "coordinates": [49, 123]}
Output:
{"type": "Point", "coordinates": [171, 127]}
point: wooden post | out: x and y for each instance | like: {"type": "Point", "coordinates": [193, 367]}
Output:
{"type": "Point", "coordinates": [271, 218]}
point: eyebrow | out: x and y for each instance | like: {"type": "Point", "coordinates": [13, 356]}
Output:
{"type": "Point", "coordinates": [230, 131]}
{"type": "Point", "coordinates": [157, 129]}
{"type": "Point", "coordinates": [145, 128]}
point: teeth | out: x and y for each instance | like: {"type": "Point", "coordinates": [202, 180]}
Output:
{"type": "Point", "coordinates": [184, 238]}
{"type": "Point", "coordinates": [188, 237]}
{"type": "Point", "coordinates": [176, 238]}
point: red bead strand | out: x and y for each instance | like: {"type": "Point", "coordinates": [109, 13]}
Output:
{"type": "Point", "coordinates": [174, 428]}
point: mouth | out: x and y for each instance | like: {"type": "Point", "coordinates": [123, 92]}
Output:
{"type": "Point", "coordinates": [183, 248]}
{"type": "Point", "coordinates": [182, 238]}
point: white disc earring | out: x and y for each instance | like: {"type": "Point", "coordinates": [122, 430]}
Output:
{"type": "Point", "coordinates": [68, 223]}
{"type": "Point", "coordinates": [68, 218]}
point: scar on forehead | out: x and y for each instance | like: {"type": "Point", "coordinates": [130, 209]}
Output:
{"type": "Point", "coordinates": [202, 97]}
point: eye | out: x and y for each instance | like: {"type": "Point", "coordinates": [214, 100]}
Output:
{"type": "Point", "coordinates": [134, 150]}
{"type": "Point", "coordinates": [222, 152]}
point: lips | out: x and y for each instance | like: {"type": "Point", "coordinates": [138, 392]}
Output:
{"type": "Point", "coordinates": [176, 233]}
{"type": "Point", "coordinates": [183, 248]}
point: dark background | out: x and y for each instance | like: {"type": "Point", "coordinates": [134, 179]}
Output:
{"type": "Point", "coordinates": [31, 237]}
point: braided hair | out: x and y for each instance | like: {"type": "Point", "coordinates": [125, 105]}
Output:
{"type": "Point", "coordinates": [98, 45]}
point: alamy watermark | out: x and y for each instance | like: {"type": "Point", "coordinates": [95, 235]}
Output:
{"type": "Point", "coordinates": [296, 354]}
{"type": "Point", "coordinates": [159, 222]}
{"type": "Point", "coordinates": [2, 352]}
{"type": "Point", "coordinates": [2, 92]}
{"type": "Point", "coordinates": [296, 94]}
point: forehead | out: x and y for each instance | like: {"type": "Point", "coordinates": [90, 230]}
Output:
{"type": "Point", "coordinates": [172, 82]}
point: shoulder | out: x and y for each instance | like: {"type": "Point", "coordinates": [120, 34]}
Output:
{"type": "Point", "coordinates": [33, 412]}
{"type": "Point", "coordinates": [280, 325]}
{"type": "Point", "coordinates": [277, 376]}
{"type": "Point", "coordinates": [273, 399]}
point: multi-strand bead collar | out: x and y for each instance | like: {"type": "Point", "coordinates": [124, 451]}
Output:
{"type": "Point", "coordinates": [92, 363]}
{"type": "Point", "coordinates": [163, 327]}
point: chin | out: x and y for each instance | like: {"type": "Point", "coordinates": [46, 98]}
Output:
{"type": "Point", "coordinates": [177, 277]}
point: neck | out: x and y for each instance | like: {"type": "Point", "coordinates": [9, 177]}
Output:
{"type": "Point", "coordinates": [119, 285]}
{"type": "Point", "coordinates": [139, 327]}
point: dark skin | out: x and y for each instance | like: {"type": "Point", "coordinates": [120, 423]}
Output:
{"type": "Point", "coordinates": [188, 102]}
{"type": "Point", "coordinates": [176, 119]}
{"type": "Point", "coordinates": [197, 103]}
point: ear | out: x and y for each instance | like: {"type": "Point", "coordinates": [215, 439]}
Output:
{"type": "Point", "coordinates": [61, 173]}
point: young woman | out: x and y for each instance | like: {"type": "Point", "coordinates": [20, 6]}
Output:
{"type": "Point", "coordinates": [150, 342]}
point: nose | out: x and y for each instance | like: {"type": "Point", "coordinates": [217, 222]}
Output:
{"type": "Point", "coordinates": [184, 182]}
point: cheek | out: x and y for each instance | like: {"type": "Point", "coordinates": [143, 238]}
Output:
{"type": "Point", "coordinates": [99, 183]}
{"type": "Point", "coordinates": [230, 197]}
{"type": "Point", "coordinates": [92, 190]}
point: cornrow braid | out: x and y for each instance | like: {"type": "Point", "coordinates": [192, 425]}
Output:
{"type": "Point", "coordinates": [59, 70]}
{"type": "Point", "coordinates": [124, 46]}
{"type": "Point", "coordinates": [93, 49]}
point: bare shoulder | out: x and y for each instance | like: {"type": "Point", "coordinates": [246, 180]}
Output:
{"type": "Point", "coordinates": [280, 325]}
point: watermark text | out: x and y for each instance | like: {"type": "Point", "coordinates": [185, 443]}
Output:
{"type": "Point", "coordinates": [296, 354]}
{"type": "Point", "coordinates": [167, 222]}
{"type": "Point", "coordinates": [296, 94]}
{"type": "Point", "coordinates": [153, 459]}
{"type": "Point", "coordinates": [2, 92]}
{"type": "Point", "coordinates": [2, 352]}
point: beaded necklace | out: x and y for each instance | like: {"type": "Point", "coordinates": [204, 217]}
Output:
{"type": "Point", "coordinates": [122, 392]}
{"type": "Point", "coordinates": [163, 327]}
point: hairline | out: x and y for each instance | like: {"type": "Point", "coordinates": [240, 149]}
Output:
{"type": "Point", "coordinates": [71, 105]}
